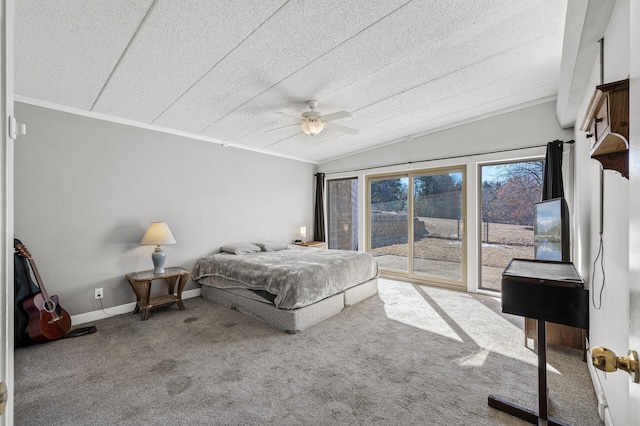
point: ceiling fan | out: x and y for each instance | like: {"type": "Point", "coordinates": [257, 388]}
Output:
{"type": "Point", "coordinates": [313, 122]}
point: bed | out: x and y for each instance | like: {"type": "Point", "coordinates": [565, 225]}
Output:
{"type": "Point", "coordinates": [286, 286]}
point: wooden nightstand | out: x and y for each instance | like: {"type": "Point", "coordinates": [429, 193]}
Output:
{"type": "Point", "coordinates": [141, 285]}
{"type": "Point", "coordinates": [314, 244]}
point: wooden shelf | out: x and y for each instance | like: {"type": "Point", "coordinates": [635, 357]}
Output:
{"type": "Point", "coordinates": [607, 121]}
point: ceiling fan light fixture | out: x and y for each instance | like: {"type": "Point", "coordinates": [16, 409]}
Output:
{"type": "Point", "coordinates": [312, 126]}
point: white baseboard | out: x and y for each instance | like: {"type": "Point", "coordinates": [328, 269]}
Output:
{"type": "Point", "coordinates": [118, 310]}
{"type": "Point", "coordinates": [603, 406]}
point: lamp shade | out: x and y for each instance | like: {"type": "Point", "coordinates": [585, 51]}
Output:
{"type": "Point", "coordinates": [158, 233]}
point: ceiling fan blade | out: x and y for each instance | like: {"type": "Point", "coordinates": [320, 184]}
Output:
{"type": "Point", "coordinates": [344, 129]}
{"type": "Point", "coordinates": [335, 116]}
{"type": "Point", "coordinates": [297, 117]}
{"type": "Point", "coordinates": [282, 127]}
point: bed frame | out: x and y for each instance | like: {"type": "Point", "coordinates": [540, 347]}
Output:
{"type": "Point", "coordinates": [295, 320]}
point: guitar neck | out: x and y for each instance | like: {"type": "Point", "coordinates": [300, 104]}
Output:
{"type": "Point", "coordinates": [36, 273]}
{"type": "Point", "coordinates": [22, 250]}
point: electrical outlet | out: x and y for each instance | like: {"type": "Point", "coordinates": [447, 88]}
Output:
{"type": "Point", "coordinates": [99, 293]}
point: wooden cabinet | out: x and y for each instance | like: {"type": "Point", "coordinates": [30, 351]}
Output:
{"type": "Point", "coordinates": [557, 334]}
{"type": "Point", "coordinates": [607, 124]}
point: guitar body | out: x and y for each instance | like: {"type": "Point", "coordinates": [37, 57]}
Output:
{"type": "Point", "coordinates": [43, 325]}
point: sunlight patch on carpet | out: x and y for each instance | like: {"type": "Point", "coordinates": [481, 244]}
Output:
{"type": "Point", "coordinates": [404, 304]}
{"type": "Point", "coordinates": [457, 316]}
{"type": "Point", "coordinates": [475, 359]}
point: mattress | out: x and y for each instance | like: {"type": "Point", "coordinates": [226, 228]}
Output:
{"type": "Point", "coordinates": [297, 277]}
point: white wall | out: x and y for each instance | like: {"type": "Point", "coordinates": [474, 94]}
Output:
{"type": "Point", "coordinates": [521, 128]}
{"type": "Point", "coordinates": [608, 324]}
{"type": "Point", "coordinates": [86, 190]}
{"type": "Point", "coordinates": [519, 134]}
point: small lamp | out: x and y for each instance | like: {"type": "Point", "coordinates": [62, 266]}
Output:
{"type": "Point", "coordinates": [158, 233]}
{"type": "Point", "coordinates": [303, 233]}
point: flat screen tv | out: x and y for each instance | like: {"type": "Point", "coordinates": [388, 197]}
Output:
{"type": "Point", "coordinates": [551, 230]}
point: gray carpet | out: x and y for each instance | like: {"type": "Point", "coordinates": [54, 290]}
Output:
{"type": "Point", "coordinates": [410, 355]}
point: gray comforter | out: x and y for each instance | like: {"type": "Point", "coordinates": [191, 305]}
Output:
{"type": "Point", "coordinates": [298, 277]}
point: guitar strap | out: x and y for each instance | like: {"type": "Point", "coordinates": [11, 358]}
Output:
{"type": "Point", "coordinates": [24, 287]}
{"type": "Point", "coordinates": [82, 331]}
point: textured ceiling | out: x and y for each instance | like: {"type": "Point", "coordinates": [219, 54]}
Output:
{"type": "Point", "coordinates": [224, 69]}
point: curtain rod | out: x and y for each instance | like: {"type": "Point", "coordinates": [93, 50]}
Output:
{"type": "Point", "coordinates": [445, 158]}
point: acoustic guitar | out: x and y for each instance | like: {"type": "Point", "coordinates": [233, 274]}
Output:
{"type": "Point", "coordinates": [47, 319]}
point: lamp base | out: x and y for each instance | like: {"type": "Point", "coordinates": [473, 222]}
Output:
{"type": "Point", "coordinates": [158, 257]}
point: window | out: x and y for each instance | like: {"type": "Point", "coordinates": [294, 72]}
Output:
{"type": "Point", "coordinates": [342, 196]}
{"type": "Point", "coordinates": [508, 193]}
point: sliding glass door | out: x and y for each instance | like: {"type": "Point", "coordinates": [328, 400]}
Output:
{"type": "Point", "coordinates": [438, 226]}
{"type": "Point", "coordinates": [416, 225]}
{"type": "Point", "coordinates": [389, 223]}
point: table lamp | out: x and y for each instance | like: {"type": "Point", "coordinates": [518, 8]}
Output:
{"type": "Point", "coordinates": [158, 233]}
{"type": "Point", "coordinates": [301, 234]}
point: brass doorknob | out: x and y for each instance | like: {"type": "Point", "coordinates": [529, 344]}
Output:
{"type": "Point", "coordinates": [606, 360]}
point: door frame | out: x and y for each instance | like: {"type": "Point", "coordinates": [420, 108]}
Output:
{"type": "Point", "coordinates": [634, 203]}
{"type": "Point", "coordinates": [6, 205]}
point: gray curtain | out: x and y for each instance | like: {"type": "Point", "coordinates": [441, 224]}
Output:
{"type": "Point", "coordinates": [552, 185]}
{"type": "Point", "coordinates": [318, 224]}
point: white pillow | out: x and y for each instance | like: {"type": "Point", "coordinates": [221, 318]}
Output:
{"type": "Point", "coordinates": [271, 245]}
{"type": "Point", "coordinates": [240, 248]}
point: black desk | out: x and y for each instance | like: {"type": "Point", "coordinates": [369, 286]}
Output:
{"type": "Point", "coordinates": [547, 291]}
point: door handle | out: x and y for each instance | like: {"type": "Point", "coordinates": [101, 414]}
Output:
{"type": "Point", "coordinates": [606, 360]}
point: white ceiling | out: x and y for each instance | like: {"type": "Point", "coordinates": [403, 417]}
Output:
{"type": "Point", "coordinates": [223, 69]}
